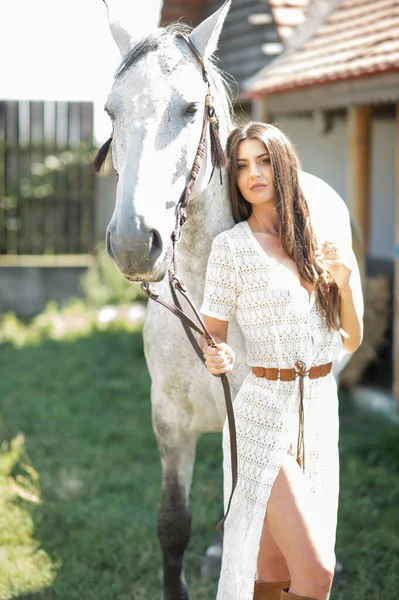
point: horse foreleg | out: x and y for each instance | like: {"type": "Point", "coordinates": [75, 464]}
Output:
{"type": "Point", "coordinates": [174, 517]}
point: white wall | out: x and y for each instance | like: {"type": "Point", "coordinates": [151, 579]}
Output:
{"type": "Point", "coordinates": [326, 155]}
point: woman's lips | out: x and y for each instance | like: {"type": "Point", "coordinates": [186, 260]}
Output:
{"type": "Point", "coordinates": [258, 186]}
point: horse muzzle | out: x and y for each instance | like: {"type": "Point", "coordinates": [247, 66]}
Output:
{"type": "Point", "coordinates": [140, 257]}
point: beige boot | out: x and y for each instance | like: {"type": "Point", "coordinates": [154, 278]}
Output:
{"type": "Point", "coordinates": [269, 591]}
{"type": "Point", "coordinates": [285, 595]}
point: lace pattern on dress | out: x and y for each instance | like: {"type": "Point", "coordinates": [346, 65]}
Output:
{"type": "Point", "coordinates": [281, 324]}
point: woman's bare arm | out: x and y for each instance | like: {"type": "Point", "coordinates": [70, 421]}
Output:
{"type": "Point", "coordinates": [217, 328]}
{"type": "Point", "coordinates": [350, 314]}
{"type": "Point", "coordinates": [221, 359]}
{"type": "Point", "coordinates": [351, 322]}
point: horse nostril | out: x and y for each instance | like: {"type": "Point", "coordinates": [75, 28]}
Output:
{"type": "Point", "coordinates": [108, 244]}
{"type": "Point", "coordinates": [155, 244]}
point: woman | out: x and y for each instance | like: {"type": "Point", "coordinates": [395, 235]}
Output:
{"type": "Point", "coordinates": [294, 303]}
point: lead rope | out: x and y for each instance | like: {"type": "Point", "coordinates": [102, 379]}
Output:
{"type": "Point", "coordinates": [188, 325]}
{"type": "Point", "coordinates": [175, 283]}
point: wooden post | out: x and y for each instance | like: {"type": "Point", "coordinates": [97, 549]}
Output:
{"type": "Point", "coordinates": [260, 110]}
{"type": "Point", "coordinates": [396, 275]}
{"type": "Point", "coordinates": [359, 123]}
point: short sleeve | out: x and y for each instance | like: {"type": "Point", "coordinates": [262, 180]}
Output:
{"type": "Point", "coordinates": [220, 283]}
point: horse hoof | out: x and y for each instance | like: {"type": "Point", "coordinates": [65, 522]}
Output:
{"type": "Point", "coordinates": [176, 592]}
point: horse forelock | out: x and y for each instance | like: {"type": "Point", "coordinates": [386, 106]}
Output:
{"type": "Point", "coordinates": [149, 43]}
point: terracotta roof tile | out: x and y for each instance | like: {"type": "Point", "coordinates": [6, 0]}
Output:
{"type": "Point", "coordinates": [288, 14]}
{"type": "Point", "coordinates": [357, 38]}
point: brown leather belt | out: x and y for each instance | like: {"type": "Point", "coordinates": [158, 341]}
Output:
{"type": "Point", "coordinates": [273, 374]}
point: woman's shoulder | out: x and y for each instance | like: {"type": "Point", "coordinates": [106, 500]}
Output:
{"type": "Point", "coordinates": [232, 235]}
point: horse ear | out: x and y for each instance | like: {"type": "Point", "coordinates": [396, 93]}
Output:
{"type": "Point", "coordinates": [206, 35]}
{"type": "Point", "coordinates": [120, 34]}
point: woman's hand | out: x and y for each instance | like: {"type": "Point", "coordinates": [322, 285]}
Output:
{"type": "Point", "coordinates": [220, 359]}
{"type": "Point", "coordinates": [333, 261]}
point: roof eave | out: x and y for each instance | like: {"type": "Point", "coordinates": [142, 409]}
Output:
{"type": "Point", "coordinates": [259, 92]}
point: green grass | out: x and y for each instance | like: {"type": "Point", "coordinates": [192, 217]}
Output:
{"type": "Point", "coordinates": [80, 480]}
{"type": "Point", "coordinates": [368, 524]}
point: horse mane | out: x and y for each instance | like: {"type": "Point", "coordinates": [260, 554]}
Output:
{"type": "Point", "coordinates": [152, 43]}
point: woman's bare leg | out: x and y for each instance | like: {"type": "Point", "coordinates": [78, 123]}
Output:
{"type": "Point", "coordinates": [272, 566]}
{"type": "Point", "coordinates": [292, 520]}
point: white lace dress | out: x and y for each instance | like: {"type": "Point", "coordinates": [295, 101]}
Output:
{"type": "Point", "coordinates": [281, 324]}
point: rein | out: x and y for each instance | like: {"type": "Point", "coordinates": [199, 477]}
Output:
{"type": "Point", "coordinates": [219, 160]}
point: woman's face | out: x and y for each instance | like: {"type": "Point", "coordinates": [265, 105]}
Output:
{"type": "Point", "coordinates": [254, 172]}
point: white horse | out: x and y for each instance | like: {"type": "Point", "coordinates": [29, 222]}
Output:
{"type": "Point", "coordinates": [156, 105]}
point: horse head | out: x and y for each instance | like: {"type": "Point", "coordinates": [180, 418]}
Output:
{"type": "Point", "coordinates": [156, 106]}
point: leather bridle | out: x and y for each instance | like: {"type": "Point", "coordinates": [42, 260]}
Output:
{"type": "Point", "coordinates": [175, 282]}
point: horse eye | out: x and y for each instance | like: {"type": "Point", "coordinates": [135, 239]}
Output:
{"type": "Point", "coordinates": [192, 108]}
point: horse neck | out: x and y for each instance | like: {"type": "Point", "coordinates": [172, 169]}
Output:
{"type": "Point", "coordinates": [207, 215]}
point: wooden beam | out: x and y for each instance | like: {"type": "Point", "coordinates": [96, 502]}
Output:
{"type": "Point", "coordinates": [396, 275]}
{"type": "Point", "coordinates": [260, 110]}
{"type": "Point", "coordinates": [359, 125]}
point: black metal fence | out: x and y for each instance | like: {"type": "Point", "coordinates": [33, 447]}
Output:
{"type": "Point", "coordinates": [46, 177]}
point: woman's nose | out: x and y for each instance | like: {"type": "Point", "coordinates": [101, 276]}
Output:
{"type": "Point", "coordinates": [254, 171]}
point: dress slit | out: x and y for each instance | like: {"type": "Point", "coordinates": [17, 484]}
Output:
{"type": "Point", "coordinates": [254, 524]}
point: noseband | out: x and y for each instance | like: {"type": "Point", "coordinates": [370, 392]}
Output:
{"type": "Point", "coordinates": [219, 159]}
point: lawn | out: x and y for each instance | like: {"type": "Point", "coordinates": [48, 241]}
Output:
{"type": "Point", "coordinates": [80, 479]}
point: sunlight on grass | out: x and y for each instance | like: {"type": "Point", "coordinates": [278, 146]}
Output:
{"type": "Point", "coordinates": [83, 403]}
{"type": "Point", "coordinates": [24, 566]}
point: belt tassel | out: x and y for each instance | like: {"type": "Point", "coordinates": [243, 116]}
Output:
{"type": "Point", "coordinates": [272, 374]}
{"type": "Point", "coordinates": [300, 453]}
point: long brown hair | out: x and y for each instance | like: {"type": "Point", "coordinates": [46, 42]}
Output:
{"type": "Point", "coordinates": [295, 229]}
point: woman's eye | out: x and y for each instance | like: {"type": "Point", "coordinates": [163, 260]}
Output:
{"type": "Point", "coordinates": [240, 167]}
{"type": "Point", "coordinates": [192, 109]}
{"type": "Point", "coordinates": [266, 161]}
